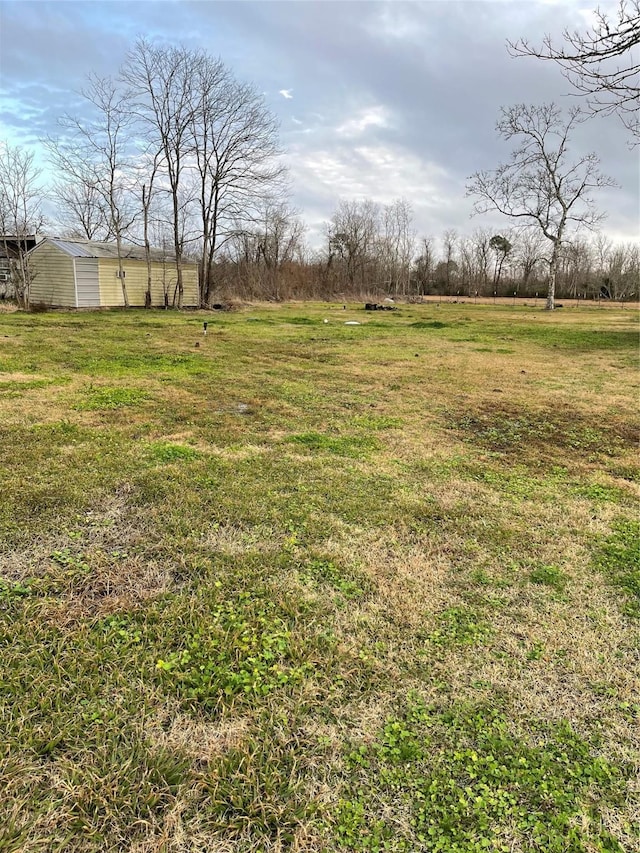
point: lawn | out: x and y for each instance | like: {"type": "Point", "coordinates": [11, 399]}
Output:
{"type": "Point", "coordinates": [297, 585]}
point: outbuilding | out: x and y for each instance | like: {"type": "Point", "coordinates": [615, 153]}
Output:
{"type": "Point", "coordinates": [74, 273]}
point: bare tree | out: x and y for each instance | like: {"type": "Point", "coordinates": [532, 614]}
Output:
{"type": "Point", "coordinates": [160, 82]}
{"type": "Point", "coordinates": [215, 146]}
{"type": "Point", "coordinates": [619, 273]}
{"type": "Point", "coordinates": [81, 209]}
{"type": "Point", "coordinates": [601, 63]}
{"type": "Point", "coordinates": [482, 250]}
{"type": "Point", "coordinates": [95, 154]}
{"type": "Point", "coordinates": [20, 213]}
{"type": "Point", "coordinates": [423, 269]}
{"type": "Point", "coordinates": [540, 186]}
{"type": "Point", "coordinates": [575, 267]}
{"type": "Point", "coordinates": [353, 233]}
{"type": "Point", "coordinates": [146, 177]}
{"type": "Point", "coordinates": [396, 245]}
{"type": "Point", "coordinates": [529, 253]}
{"type": "Point", "coordinates": [236, 155]}
{"type": "Point", "coordinates": [264, 250]}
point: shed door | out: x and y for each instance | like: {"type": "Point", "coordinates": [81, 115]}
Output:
{"type": "Point", "coordinates": [88, 287]}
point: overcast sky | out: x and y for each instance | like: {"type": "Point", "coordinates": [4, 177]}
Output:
{"type": "Point", "coordinates": [377, 100]}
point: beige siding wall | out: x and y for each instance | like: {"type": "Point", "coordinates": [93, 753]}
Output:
{"type": "Point", "coordinates": [53, 282]}
{"type": "Point", "coordinates": [136, 282]}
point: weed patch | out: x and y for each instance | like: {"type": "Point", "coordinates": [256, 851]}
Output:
{"type": "Point", "coordinates": [243, 651]}
{"type": "Point", "coordinates": [325, 571]}
{"type": "Point", "coordinates": [526, 432]}
{"type": "Point", "coordinates": [459, 626]}
{"type": "Point", "coordinates": [429, 324]}
{"type": "Point", "coordinates": [462, 780]}
{"type": "Point", "coordinates": [166, 452]}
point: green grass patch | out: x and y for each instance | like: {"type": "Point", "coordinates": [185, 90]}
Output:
{"type": "Point", "coordinates": [459, 626]}
{"type": "Point", "coordinates": [548, 576]}
{"type": "Point", "coordinates": [112, 398]}
{"type": "Point", "coordinates": [326, 571]}
{"type": "Point", "coordinates": [340, 445]}
{"type": "Point", "coordinates": [618, 556]}
{"type": "Point", "coordinates": [243, 651]}
{"type": "Point", "coordinates": [167, 452]}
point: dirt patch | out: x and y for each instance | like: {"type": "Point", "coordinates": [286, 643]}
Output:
{"type": "Point", "coordinates": [110, 588]}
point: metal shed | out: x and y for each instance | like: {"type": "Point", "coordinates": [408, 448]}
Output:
{"type": "Point", "coordinates": [69, 273]}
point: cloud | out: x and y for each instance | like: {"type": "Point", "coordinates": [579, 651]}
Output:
{"type": "Point", "coordinates": [383, 173]}
{"type": "Point", "coordinates": [377, 116]}
{"type": "Point", "coordinates": [286, 94]}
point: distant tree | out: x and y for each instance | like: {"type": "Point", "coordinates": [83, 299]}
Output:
{"type": "Point", "coordinates": [540, 186]}
{"type": "Point", "coordinates": [423, 268]}
{"type": "Point", "coordinates": [237, 172]}
{"type": "Point", "coordinates": [270, 244]}
{"type": "Point", "coordinates": [444, 273]}
{"type": "Point", "coordinates": [160, 80]}
{"type": "Point", "coordinates": [529, 254]}
{"type": "Point", "coordinates": [482, 252]}
{"type": "Point", "coordinates": [449, 243]}
{"type": "Point", "coordinates": [396, 245]}
{"type": "Point", "coordinates": [20, 213]}
{"type": "Point", "coordinates": [501, 247]}
{"type": "Point", "coordinates": [602, 63]}
{"type": "Point", "coordinates": [353, 233]}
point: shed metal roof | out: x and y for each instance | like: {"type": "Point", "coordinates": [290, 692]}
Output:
{"type": "Point", "coordinates": [95, 249]}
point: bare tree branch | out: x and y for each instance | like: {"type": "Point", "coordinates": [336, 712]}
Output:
{"type": "Point", "coordinates": [602, 64]}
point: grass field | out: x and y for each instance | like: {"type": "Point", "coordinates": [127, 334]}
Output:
{"type": "Point", "coordinates": [306, 586]}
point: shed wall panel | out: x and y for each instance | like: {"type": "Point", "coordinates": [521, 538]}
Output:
{"type": "Point", "coordinates": [53, 281]}
{"type": "Point", "coordinates": [136, 283]}
{"type": "Point", "coordinates": [87, 282]}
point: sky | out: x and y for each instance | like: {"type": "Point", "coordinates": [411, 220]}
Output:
{"type": "Point", "coordinates": [379, 100]}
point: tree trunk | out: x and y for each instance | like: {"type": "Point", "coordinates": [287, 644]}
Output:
{"type": "Point", "coordinates": [147, 247]}
{"type": "Point", "coordinates": [178, 248]}
{"type": "Point", "coordinates": [121, 270]}
{"type": "Point", "coordinates": [553, 272]}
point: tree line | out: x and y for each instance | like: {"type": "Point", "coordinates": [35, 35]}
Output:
{"type": "Point", "coordinates": [364, 257]}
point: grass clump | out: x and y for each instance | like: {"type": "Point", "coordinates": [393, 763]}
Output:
{"type": "Point", "coordinates": [548, 576]}
{"type": "Point", "coordinates": [326, 571]}
{"type": "Point", "coordinates": [258, 790]}
{"type": "Point", "coordinates": [161, 451]}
